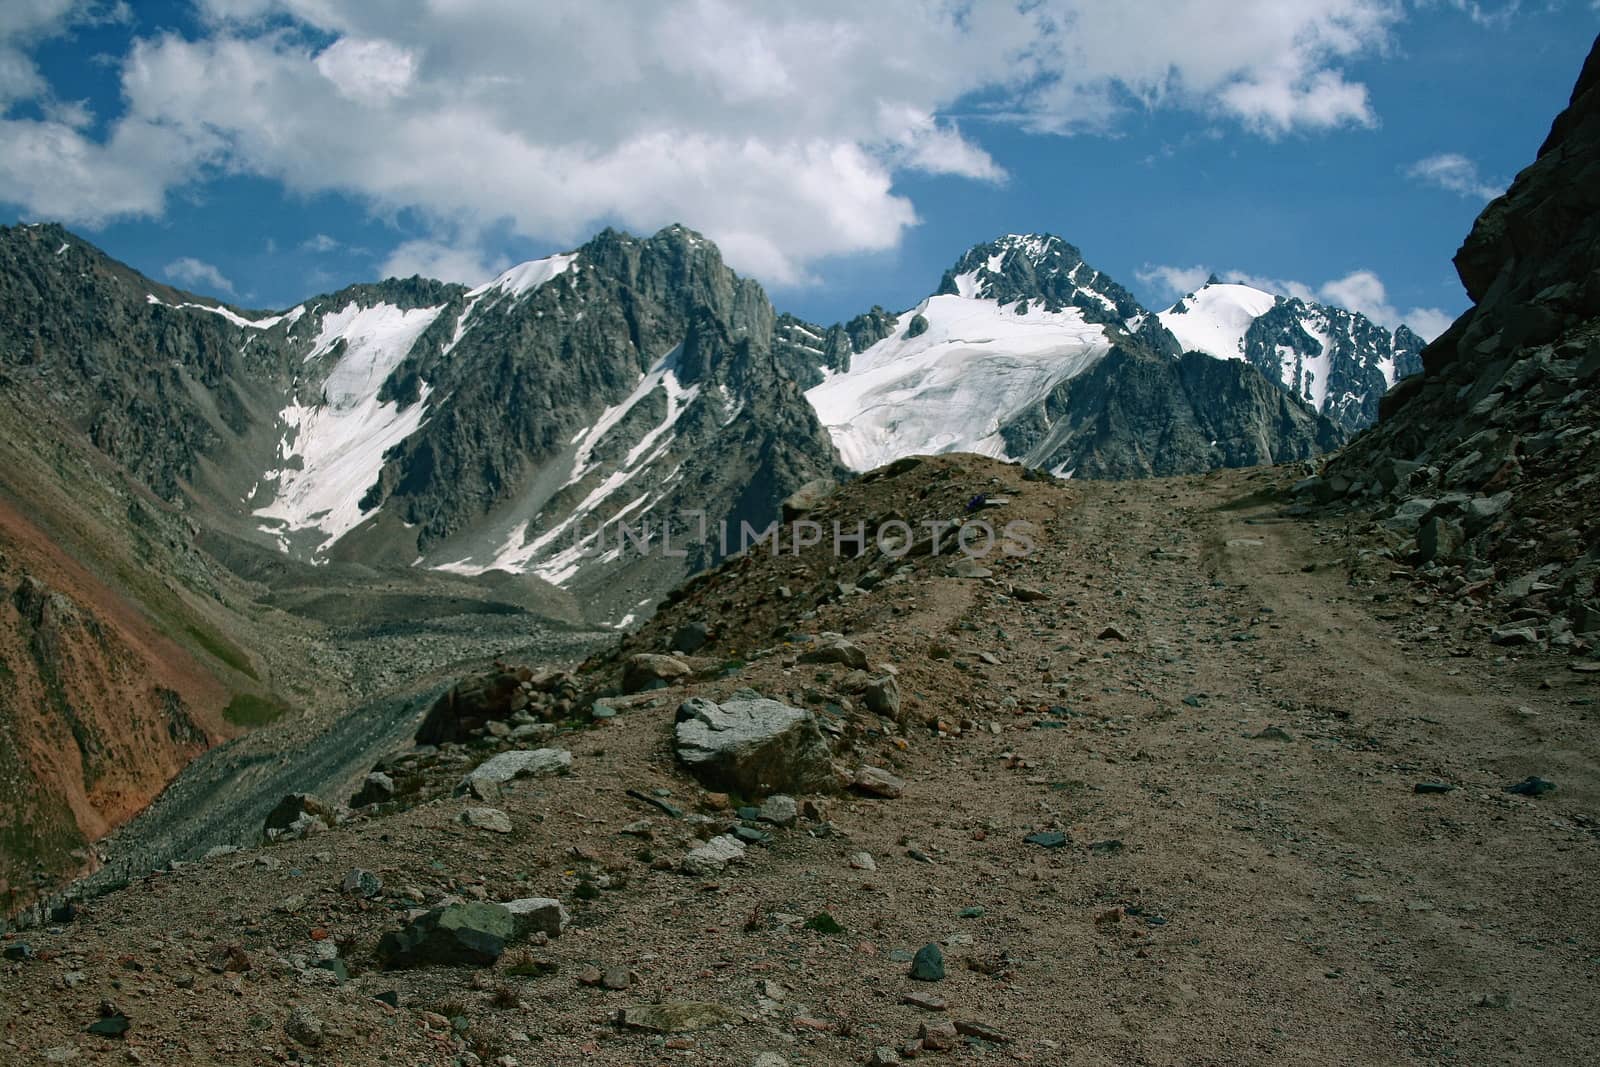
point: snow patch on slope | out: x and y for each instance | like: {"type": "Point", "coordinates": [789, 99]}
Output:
{"type": "Point", "coordinates": [333, 449]}
{"type": "Point", "coordinates": [526, 277]}
{"type": "Point", "coordinates": [540, 555]}
{"type": "Point", "coordinates": [951, 388]}
{"type": "Point", "coordinates": [291, 316]}
{"type": "Point", "coordinates": [1217, 318]}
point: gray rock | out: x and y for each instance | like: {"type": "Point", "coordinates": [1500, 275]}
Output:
{"type": "Point", "coordinates": [520, 763]}
{"type": "Point", "coordinates": [882, 697]}
{"type": "Point", "coordinates": [713, 856]}
{"type": "Point", "coordinates": [835, 649]}
{"type": "Point", "coordinates": [294, 813]}
{"type": "Point", "coordinates": [1440, 539]}
{"type": "Point", "coordinates": [928, 964]}
{"type": "Point", "coordinates": [690, 638]}
{"type": "Point", "coordinates": [532, 915]}
{"type": "Point", "coordinates": [1483, 510]}
{"type": "Point", "coordinates": [678, 1016]}
{"type": "Point", "coordinates": [647, 670]}
{"type": "Point", "coordinates": [877, 782]}
{"type": "Point", "coordinates": [470, 934]}
{"type": "Point", "coordinates": [362, 883]}
{"type": "Point", "coordinates": [492, 819]}
{"type": "Point", "coordinates": [1409, 515]}
{"type": "Point", "coordinates": [779, 810]}
{"type": "Point", "coordinates": [304, 1027]}
{"type": "Point", "coordinates": [753, 746]}
{"type": "Point", "coordinates": [376, 788]}
{"type": "Point", "coordinates": [1515, 635]}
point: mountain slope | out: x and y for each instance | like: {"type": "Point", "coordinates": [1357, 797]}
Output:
{"type": "Point", "coordinates": [1338, 361]}
{"type": "Point", "coordinates": [413, 422]}
{"type": "Point", "coordinates": [1011, 358]}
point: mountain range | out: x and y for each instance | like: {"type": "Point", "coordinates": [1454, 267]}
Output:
{"type": "Point", "coordinates": [418, 423]}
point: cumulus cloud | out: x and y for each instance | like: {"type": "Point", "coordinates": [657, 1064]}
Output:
{"type": "Point", "coordinates": [446, 262]}
{"type": "Point", "coordinates": [1454, 173]}
{"type": "Point", "coordinates": [197, 273]}
{"type": "Point", "coordinates": [778, 130]}
{"type": "Point", "coordinates": [1360, 290]}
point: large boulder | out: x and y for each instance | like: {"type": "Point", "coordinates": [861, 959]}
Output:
{"type": "Point", "coordinates": [456, 935]}
{"type": "Point", "coordinates": [753, 746]}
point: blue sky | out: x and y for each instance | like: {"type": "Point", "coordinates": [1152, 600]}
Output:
{"type": "Point", "coordinates": [845, 154]}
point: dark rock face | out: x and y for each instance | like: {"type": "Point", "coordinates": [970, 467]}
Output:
{"type": "Point", "coordinates": [1496, 448]}
{"type": "Point", "coordinates": [1135, 414]}
{"type": "Point", "coordinates": [1045, 271]}
{"type": "Point", "coordinates": [1279, 344]}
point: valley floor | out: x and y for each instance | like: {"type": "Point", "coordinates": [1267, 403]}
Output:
{"type": "Point", "coordinates": [1248, 876]}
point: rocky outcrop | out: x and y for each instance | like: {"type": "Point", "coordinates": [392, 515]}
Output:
{"type": "Point", "coordinates": [1136, 414]}
{"type": "Point", "coordinates": [1484, 469]}
{"type": "Point", "coordinates": [753, 746]}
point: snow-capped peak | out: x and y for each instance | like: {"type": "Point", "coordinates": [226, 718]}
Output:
{"type": "Point", "coordinates": [1338, 361]}
{"type": "Point", "coordinates": [1038, 270]}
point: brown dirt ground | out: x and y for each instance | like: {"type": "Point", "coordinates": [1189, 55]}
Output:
{"type": "Point", "coordinates": [1272, 900]}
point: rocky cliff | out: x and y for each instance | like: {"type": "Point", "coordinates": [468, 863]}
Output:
{"type": "Point", "coordinates": [1486, 467]}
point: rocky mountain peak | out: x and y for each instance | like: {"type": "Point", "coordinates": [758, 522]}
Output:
{"type": "Point", "coordinates": [1042, 270]}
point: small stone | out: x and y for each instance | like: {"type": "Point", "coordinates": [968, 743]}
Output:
{"type": "Point", "coordinates": [491, 819]}
{"type": "Point", "coordinates": [713, 856]}
{"type": "Point", "coordinates": [836, 650]}
{"type": "Point", "coordinates": [678, 1016]}
{"type": "Point", "coordinates": [883, 1056]}
{"type": "Point", "coordinates": [1273, 733]}
{"type": "Point", "coordinates": [928, 964]}
{"type": "Point", "coordinates": [1532, 786]}
{"type": "Point", "coordinates": [1515, 636]}
{"type": "Point", "coordinates": [1046, 839]}
{"type": "Point", "coordinates": [981, 1031]}
{"type": "Point", "coordinates": [863, 861]}
{"type": "Point", "coordinates": [1432, 788]}
{"type": "Point", "coordinates": [779, 810]}
{"type": "Point", "coordinates": [304, 1027]}
{"type": "Point", "coordinates": [877, 782]}
{"type": "Point", "coordinates": [769, 1059]}
{"type": "Point", "coordinates": [362, 883]}
{"type": "Point", "coordinates": [690, 638]}
{"type": "Point", "coordinates": [925, 1001]}
{"type": "Point", "coordinates": [938, 1036]}
{"type": "Point", "coordinates": [648, 670]}
{"type": "Point", "coordinates": [1112, 633]}
{"type": "Point", "coordinates": [112, 1024]}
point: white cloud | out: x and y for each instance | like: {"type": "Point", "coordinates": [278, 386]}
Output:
{"type": "Point", "coordinates": [778, 130]}
{"type": "Point", "coordinates": [197, 272]}
{"type": "Point", "coordinates": [448, 263]}
{"type": "Point", "coordinates": [1360, 290]}
{"type": "Point", "coordinates": [319, 243]}
{"type": "Point", "coordinates": [1454, 173]}
{"type": "Point", "coordinates": [1170, 283]}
